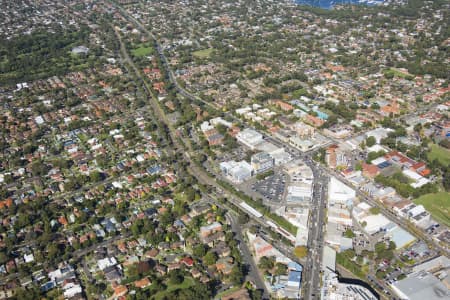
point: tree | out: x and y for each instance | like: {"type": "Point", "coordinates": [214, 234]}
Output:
{"type": "Point", "coordinates": [301, 251]}
{"type": "Point", "coordinates": [199, 250]}
{"type": "Point", "coordinates": [136, 229]}
{"type": "Point", "coordinates": [96, 176]}
{"type": "Point", "coordinates": [370, 141]}
{"type": "Point", "coordinates": [380, 247]}
{"type": "Point", "coordinates": [38, 168]}
{"type": "Point", "coordinates": [175, 277]}
{"type": "Point", "coordinates": [392, 245]}
{"type": "Point", "coordinates": [256, 294]}
{"type": "Point", "coordinates": [237, 275]}
{"type": "Point", "coordinates": [349, 233]}
{"type": "Point", "coordinates": [3, 257]}
{"type": "Point", "coordinates": [243, 219]}
{"type": "Point", "coordinates": [446, 179]}
{"type": "Point", "coordinates": [418, 127]}
{"type": "Point", "coordinates": [266, 263]}
{"type": "Point", "coordinates": [132, 271]}
{"type": "Point", "coordinates": [373, 155]}
{"type": "Point", "coordinates": [375, 105]}
{"type": "Point", "coordinates": [374, 210]}
{"type": "Point", "coordinates": [281, 269]}
{"type": "Point", "coordinates": [380, 274]}
{"type": "Point", "coordinates": [210, 258]}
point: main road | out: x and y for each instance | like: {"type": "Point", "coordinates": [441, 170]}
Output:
{"type": "Point", "coordinates": [316, 223]}
{"type": "Point", "coordinates": [183, 144]}
{"type": "Point", "coordinates": [312, 268]}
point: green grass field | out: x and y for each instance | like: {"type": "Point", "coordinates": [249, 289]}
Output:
{"type": "Point", "coordinates": [438, 205]}
{"type": "Point", "coordinates": [188, 282]}
{"type": "Point", "coordinates": [398, 73]}
{"type": "Point", "coordinates": [439, 153]}
{"type": "Point", "coordinates": [142, 51]}
{"type": "Point", "coordinates": [205, 53]}
{"type": "Point", "coordinates": [227, 292]}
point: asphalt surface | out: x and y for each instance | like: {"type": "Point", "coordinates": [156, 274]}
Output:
{"type": "Point", "coordinates": [253, 274]}
{"type": "Point", "coordinates": [313, 265]}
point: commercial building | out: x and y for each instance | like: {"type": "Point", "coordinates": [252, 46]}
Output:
{"type": "Point", "coordinates": [250, 138]}
{"type": "Point", "coordinates": [280, 156]}
{"type": "Point", "coordinates": [335, 157]}
{"type": "Point", "coordinates": [303, 130]}
{"type": "Point", "coordinates": [298, 171]}
{"type": "Point", "coordinates": [299, 193]}
{"type": "Point", "coordinates": [297, 216]}
{"type": "Point", "coordinates": [300, 144]}
{"type": "Point", "coordinates": [340, 216]}
{"type": "Point", "coordinates": [436, 264]}
{"type": "Point", "coordinates": [329, 259]}
{"type": "Point", "coordinates": [262, 162]}
{"type": "Point", "coordinates": [416, 214]}
{"type": "Point", "coordinates": [236, 171]}
{"type": "Point", "coordinates": [378, 134]}
{"type": "Point", "coordinates": [419, 286]}
{"type": "Point", "coordinates": [417, 179]}
{"type": "Point", "coordinates": [219, 120]}
{"type": "Point", "coordinates": [263, 248]}
{"type": "Point", "coordinates": [375, 223]}
{"type": "Point", "coordinates": [288, 286]}
{"type": "Point", "coordinates": [335, 290]}
{"type": "Point", "coordinates": [379, 193]}
{"type": "Point", "coordinates": [294, 279]}
{"type": "Point", "coordinates": [339, 192]}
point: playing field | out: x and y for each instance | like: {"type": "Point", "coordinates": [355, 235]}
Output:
{"type": "Point", "coordinates": [142, 51]}
{"type": "Point", "coordinates": [439, 153]}
{"type": "Point", "coordinates": [398, 73]}
{"type": "Point", "coordinates": [438, 205]}
{"type": "Point", "coordinates": [205, 53]}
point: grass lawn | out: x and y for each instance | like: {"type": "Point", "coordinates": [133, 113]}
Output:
{"type": "Point", "coordinates": [180, 197]}
{"type": "Point", "coordinates": [227, 292]}
{"type": "Point", "coordinates": [439, 153]}
{"type": "Point", "coordinates": [188, 282]}
{"type": "Point", "coordinates": [142, 51]}
{"type": "Point", "coordinates": [438, 205]}
{"type": "Point", "coordinates": [398, 73]}
{"type": "Point", "coordinates": [205, 53]}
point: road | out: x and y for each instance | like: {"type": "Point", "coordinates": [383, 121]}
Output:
{"type": "Point", "coordinates": [316, 223]}
{"type": "Point", "coordinates": [312, 267]}
{"type": "Point", "coordinates": [182, 144]}
{"type": "Point", "coordinates": [253, 272]}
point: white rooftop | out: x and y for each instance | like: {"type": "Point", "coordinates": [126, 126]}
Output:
{"type": "Point", "coordinates": [420, 286]}
{"type": "Point", "coordinates": [339, 191]}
